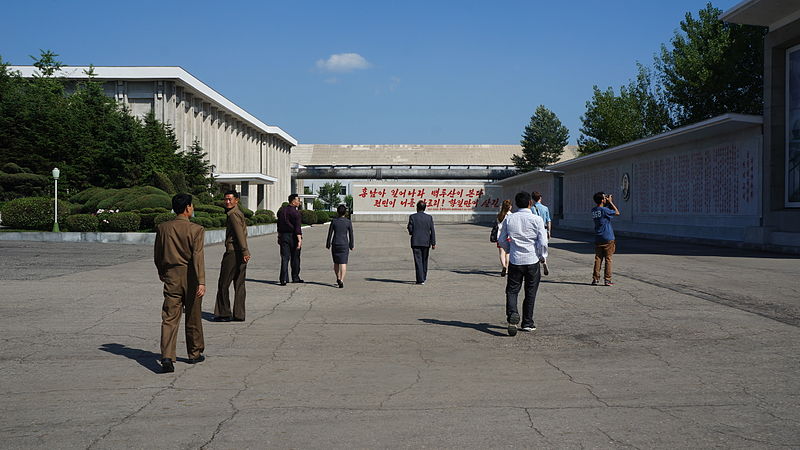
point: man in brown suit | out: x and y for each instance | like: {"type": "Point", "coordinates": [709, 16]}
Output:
{"type": "Point", "coordinates": [178, 254]}
{"type": "Point", "coordinates": [234, 263]}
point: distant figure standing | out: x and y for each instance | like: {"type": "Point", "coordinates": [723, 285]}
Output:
{"type": "Point", "coordinates": [505, 209]}
{"type": "Point", "coordinates": [234, 262]}
{"type": "Point", "coordinates": [423, 238]}
{"type": "Point", "coordinates": [340, 241]}
{"type": "Point", "coordinates": [604, 243]}
{"type": "Point", "coordinates": [525, 238]}
{"type": "Point", "coordinates": [290, 238]}
{"type": "Point", "coordinates": [178, 255]}
{"type": "Point", "coordinates": [544, 212]}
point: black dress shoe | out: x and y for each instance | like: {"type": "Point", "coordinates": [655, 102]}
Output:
{"type": "Point", "coordinates": [283, 283]}
{"type": "Point", "coordinates": [199, 359]}
{"type": "Point", "coordinates": [340, 283]}
{"type": "Point", "coordinates": [298, 281]}
{"type": "Point", "coordinates": [167, 366]}
{"type": "Point", "coordinates": [221, 319]}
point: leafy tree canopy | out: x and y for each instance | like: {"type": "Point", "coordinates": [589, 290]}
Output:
{"type": "Point", "coordinates": [329, 194]}
{"type": "Point", "coordinates": [542, 141]}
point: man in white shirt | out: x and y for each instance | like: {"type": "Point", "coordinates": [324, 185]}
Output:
{"type": "Point", "coordinates": [524, 236]}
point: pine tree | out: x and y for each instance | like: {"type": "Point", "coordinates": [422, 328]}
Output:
{"type": "Point", "coordinates": [542, 142]}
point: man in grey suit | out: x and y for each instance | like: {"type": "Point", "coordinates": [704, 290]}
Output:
{"type": "Point", "coordinates": [423, 238]}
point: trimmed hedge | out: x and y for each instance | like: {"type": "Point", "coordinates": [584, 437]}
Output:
{"type": "Point", "coordinates": [322, 216]}
{"type": "Point", "coordinates": [147, 201]}
{"type": "Point", "coordinates": [129, 199]}
{"type": "Point", "coordinates": [266, 212]}
{"type": "Point", "coordinates": [82, 222]}
{"type": "Point", "coordinates": [148, 220]}
{"type": "Point", "coordinates": [308, 217]}
{"type": "Point", "coordinates": [33, 213]}
{"type": "Point", "coordinates": [206, 222]}
{"type": "Point", "coordinates": [153, 210]}
{"type": "Point", "coordinates": [212, 209]}
{"type": "Point", "coordinates": [161, 218]}
{"type": "Point", "coordinates": [120, 222]}
{"type": "Point", "coordinates": [248, 213]}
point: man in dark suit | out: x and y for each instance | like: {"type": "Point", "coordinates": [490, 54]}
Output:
{"type": "Point", "coordinates": [178, 255]}
{"type": "Point", "coordinates": [233, 268]}
{"type": "Point", "coordinates": [290, 239]}
{"type": "Point", "coordinates": [423, 238]}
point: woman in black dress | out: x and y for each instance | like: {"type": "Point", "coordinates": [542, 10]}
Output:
{"type": "Point", "coordinates": [340, 241]}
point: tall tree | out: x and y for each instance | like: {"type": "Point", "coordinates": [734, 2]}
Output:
{"type": "Point", "coordinates": [542, 141]}
{"type": "Point", "coordinates": [639, 110]}
{"type": "Point", "coordinates": [713, 67]}
{"type": "Point", "coordinates": [197, 170]}
{"type": "Point", "coordinates": [329, 194]}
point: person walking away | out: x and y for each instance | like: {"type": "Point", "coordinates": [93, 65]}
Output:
{"type": "Point", "coordinates": [604, 242]}
{"type": "Point", "coordinates": [179, 259]}
{"type": "Point", "coordinates": [423, 238]}
{"type": "Point", "coordinates": [340, 242]}
{"type": "Point", "coordinates": [543, 212]}
{"type": "Point", "coordinates": [290, 239]}
{"type": "Point", "coordinates": [505, 209]}
{"type": "Point", "coordinates": [525, 238]}
{"type": "Point", "coordinates": [234, 262]}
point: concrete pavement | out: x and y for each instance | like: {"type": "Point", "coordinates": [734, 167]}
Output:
{"type": "Point", "coordinates": [694, 347]}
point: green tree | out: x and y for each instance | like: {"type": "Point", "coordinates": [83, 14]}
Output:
{"type": "Point", "coordinates": [639, 110]}
{"type": "Point", "coordinates": [542, 141]}
{"type": "Point", "coordinates": [713, 67]}
{"type": "Point", "coordinates": [197, 171]}
{"type": "Point", "coordinates": [329, 194]}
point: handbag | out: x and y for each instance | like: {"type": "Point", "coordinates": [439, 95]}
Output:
{"type": "Point", "coordinates": [493, 234]}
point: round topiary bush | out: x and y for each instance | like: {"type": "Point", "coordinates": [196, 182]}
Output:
{"type": "Point", "coordinates": [83, 196]}
{"type": "Point", "coordinates": [322, 216]}
{"type": "Point", "coordinates": [132, 203]}
{"type": "Point", "coordinates": [148, 220]}
{"type": "Point", "coordinates": [91, 204]}
{"type": "Point", "coordinates": [120, 222]}
{"type": "Point", "coordinates": [266, 212]}
{"type": "Point", "coordinates": [161, 218]}
{"type": "Point", "coordinates": [213, 209]}
{"type": "Point", "coordinates": [308, 217]}
{"type": "Point", "coordinates": [33, 213]}
{"type": "Point", "coordinates": [222, 220]}
{"type": "Point", "coordinates": [82, 222]}
{"type": "Point", "coordinates": [248, 213]}
{"type": "Point", "coordinates": [152, 210]}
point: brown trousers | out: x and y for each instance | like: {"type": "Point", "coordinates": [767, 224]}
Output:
{"type": "Point", "coordinates": [601, 252]}
{"type": "Point", "coordinates": [180, 289]}
{"type": "Point", "coordinates": [232, 269]}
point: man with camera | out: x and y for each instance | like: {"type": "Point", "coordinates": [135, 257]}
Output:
{"type": "Point", "coordinates": [604, 243]}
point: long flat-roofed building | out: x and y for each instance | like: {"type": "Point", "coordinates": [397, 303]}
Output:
{"type": "Point", "coordinates": [247, 154]}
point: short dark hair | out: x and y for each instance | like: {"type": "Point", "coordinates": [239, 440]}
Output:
{"type": "Point", "coordinates": [536, 196]}
{"type": "Point", "coordinates": [180, 202]}
{"type": "Point", "coordinates": [341, 210]}
{"type": "Point", "coordinates": [292, 197]}
{"type": "Point", "coordinates": [522, 200]}
{"type": "Point", "coordinates": [599, 197]}
{"type": "Point", "coordinates": [231, 192]}
{"type": "Point", "coordinates": [421, 206]}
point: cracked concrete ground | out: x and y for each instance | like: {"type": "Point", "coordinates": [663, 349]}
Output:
{"type": "Point", "coordinates": [694, 347]}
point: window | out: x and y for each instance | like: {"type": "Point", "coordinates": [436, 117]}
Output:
{"type": "Point", "coordinates": [792, 184]}
{"type": "Point", "coordinates": [343, 191]}
{"type": "Point", "coordinates": [306, 190]}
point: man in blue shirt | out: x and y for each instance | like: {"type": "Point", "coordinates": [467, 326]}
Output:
{"type": "Point", "coordinates": [604, 242]}
{"type": "Point", "coordinates": [544, 212]}
{"type": "Point", "coordinates": [524, 237]}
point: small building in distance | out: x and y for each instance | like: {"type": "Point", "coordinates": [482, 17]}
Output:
{"type": "Point", "coordinates": [248, 154]}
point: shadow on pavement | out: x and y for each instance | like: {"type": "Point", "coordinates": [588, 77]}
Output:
{"type": "Point", "coordinates": [388, 280]}
{"type": "Point", "coordinates": [276, 283]}
{"type": "Point", "coordinates": [484, 327]}
{"type": "Point", "coordinates": [566, 282]}
{"type": "Point", "coordinates": [146, 359]}
{"type": "Point", "coordinates": [488, 273]}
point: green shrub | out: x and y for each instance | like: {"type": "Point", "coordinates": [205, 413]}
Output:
{"type": "Point", "coordinates": [308, 217]}
{"type": "Point", "coordinates": [261, 218]}
{"type": "Point", "coordinates": [161, 218]}
{"type": "Point", "coordinates": [83, 196]}
{"type": "Point", "coordinates": [248, 213]}
{"type": "Point", "coordinates": [82, 222]}
{"type": "Point", "coordinates": [222, 220]}
{"type": "Point", "coordinates": [249, 221]}
{"type": "Point", "coordinates": [120, 222]}
{"type": "Point", "coordinates": [33, 213]}
{"type": "Point", "coordinates": [163, 182]}
{"type": "Point", "coordinates": [148, 220]}
{"type": "Point", "coordinates": [322, 216]}
{"type": "Point", "coordinates": [12, 168]}
{"type": "Point", "coordinates": [91, 204]}
{"type": "Point", "coordinates": [266, 212]}
{"type": "Point", "coordinates": [213, 209]}
{"type": "Point", "coordinates": [201, 214]}
{"type": "Point", "coordinates": [146, 201]}
{"type": "Point", "coordinates": [205, 222]}
{"type": "Point", "coordinates": [152, 210]}
{"type": "Point", "coordinates": [15, 185]}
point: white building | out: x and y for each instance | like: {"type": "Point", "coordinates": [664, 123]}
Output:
{"type": "Point", "coordinates": [247, 154]}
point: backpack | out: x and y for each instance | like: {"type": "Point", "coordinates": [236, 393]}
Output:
{"type": "Point", "coordinates": [493, 234]}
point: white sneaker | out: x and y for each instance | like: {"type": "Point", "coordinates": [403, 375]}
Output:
{"type": "Point", "coordinates": [530, 328]}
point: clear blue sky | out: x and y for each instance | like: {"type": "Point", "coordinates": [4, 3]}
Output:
{"type": "Point", "coordinates": [424, 72]}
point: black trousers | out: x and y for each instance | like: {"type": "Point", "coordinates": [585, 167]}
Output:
{"type": "Point", "coordinates": [530, 275]}
{"type": "Point", "coordinates": [289, 254]}
{"type": "Point", "coordinates": [232, 270]}
{"type": "Point", "coordinates": [421, 262]}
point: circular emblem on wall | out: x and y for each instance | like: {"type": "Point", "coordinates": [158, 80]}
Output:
{"type": "Point", "coordinates": [626, 186]}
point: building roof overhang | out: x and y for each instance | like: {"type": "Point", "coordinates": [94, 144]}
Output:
{"type": "Point", "coordinates": [136, 73]}
{"type": "Point", "coordinates": [766, 13]}
{"type": "Point", "coordinates": [258, 178]}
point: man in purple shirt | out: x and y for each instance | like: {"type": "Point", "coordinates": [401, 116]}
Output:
{"type": "Point", "coordinates": [290, 238]}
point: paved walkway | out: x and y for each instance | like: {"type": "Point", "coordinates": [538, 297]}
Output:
{"type": "Point", "coordinates": [694, 347]}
